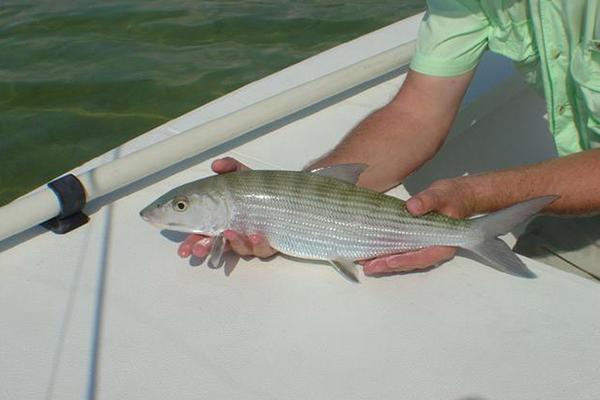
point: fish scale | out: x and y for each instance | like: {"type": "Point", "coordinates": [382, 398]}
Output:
{"type": "Point", "coordinates": [317, 217]}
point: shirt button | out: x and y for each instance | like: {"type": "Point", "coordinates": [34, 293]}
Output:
{"type": "Point", "coordinates": [562, 108]}
{"type": "Point", "coordinates": [555, 53]}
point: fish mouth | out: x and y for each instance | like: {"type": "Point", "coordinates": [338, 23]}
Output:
{"type": "Point", "coordinates": [162, 225]}
{"type": "Point", "coordinates": [146, 217]}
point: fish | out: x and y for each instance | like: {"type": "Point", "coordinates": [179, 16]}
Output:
{"type": "Point", "coordinates": [322, 215]}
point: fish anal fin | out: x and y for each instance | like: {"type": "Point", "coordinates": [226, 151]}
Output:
{"type": "Point", "coordinates": [348, 173]}
{"type": "Point", "coordinates": [345, 267]}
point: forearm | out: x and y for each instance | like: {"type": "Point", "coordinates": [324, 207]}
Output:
{"type": "Point", "coordinates": [403, 135]}
{"type": "Point", "coordinates": [575, 178]}
{"type": "Point", "coordinates": [391, 142]}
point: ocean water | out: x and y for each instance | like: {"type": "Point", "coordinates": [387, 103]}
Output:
{"type": "Point", "coordinates": [78, 78]}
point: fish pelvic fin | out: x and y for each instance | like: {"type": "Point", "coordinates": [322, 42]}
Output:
{"type": "Point", "coordinates": [495, 251]}
{"type": "Point", "coordinates": [216, 253]}
{"type": "Point", "coordinates": [345, 267]}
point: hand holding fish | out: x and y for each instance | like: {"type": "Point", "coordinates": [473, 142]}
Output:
{"type": "Point", "coordinates": [451, 197]}
{"type": "Point", "coordinates": [200, 245]}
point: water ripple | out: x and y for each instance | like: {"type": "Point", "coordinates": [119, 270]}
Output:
{"type": "Point", "coordinates": [78, 78]}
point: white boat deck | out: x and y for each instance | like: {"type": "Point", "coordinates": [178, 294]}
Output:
{"type": "Point", "coordinates": [109, 311]}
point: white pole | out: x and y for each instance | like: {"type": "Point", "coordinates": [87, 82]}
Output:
{"type": "Point", "coordinates": [41, 206]}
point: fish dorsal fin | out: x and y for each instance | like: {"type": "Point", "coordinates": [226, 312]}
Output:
{"type": "Point", "coordinates": [343, 172]}
{"type": "Point", "coordinates": [345, 267]}
{"type": "Point", "coordinates": [216, 253]}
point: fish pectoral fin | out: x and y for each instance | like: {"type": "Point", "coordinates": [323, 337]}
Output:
{"type": "Point", "coordinates": [345, 267]}
{"type": "Point", "coordinates": [216, 253]}
{"type": "Point", "coordinates": [348, 173]}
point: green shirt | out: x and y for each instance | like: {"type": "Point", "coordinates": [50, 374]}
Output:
{"type": "Point", "coordinates": [555, 44]}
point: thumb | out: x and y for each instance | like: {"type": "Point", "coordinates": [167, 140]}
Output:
{"type": "Point", "coordinates": [227, 164]}
{"type": "Point", "coordinates": [423, 202]}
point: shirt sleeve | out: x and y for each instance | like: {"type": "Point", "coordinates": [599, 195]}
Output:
{"type": "Point", "coordinates": [452, 37]}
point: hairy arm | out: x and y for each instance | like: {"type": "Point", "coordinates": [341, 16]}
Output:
{"type": "Point", "coordinates": [400, 137]}
{"type": "Point", "coordinates": [575, 178]}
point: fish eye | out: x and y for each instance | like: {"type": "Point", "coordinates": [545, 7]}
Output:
{"type": "Point", "coordinates": [180, 204]}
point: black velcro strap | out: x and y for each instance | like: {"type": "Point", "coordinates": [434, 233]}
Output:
{"type": "Point", "coordinates": [70, 193]}
{"type": "Point", "coordinates": [71, 196]}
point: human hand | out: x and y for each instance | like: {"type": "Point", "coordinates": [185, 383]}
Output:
{"type": "Point", "coordinates": [452, 197]}
{"type": "Point", "coordinates": [200, 245]}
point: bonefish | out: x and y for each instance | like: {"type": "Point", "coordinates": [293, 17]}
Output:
{"type": "Point", "coordinates": [322, 215]}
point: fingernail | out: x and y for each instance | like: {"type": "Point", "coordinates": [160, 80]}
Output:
{"type": "Point", "coordinates": [391, 261]}
{"type": "Point", "coordinates": [184, 251]}
{"type": "Point", "coordinates": [199, 250]}
{"type": "Point", "coordinates": [214, 166]}
{"type": "Point", "coordinates": [205, 242]}
{"type": "Point", "coordinates": [255, 239]}
{"type": "Point", "coordinates": [375, 266]}
{"type": "Point", "coordinates": [231, 235]}
{"type": "Point", "coordinates": [415, 205]}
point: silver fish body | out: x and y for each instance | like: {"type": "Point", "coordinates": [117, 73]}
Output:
{"type": "Point", "coordinates": [315, 217]}
{"type": "Point", "coordinates": [318, 217]}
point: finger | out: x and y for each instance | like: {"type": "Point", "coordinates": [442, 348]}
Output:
{"type": "Point", "coordinates": [202, 247]}
{"type": "Point", "coordinates": [185, 248]}
{"type": "Point", "coordinates": [238, 243]}
{"type": "Point", "coordinates": [376, 266]}
{"type": "Point", "coordinates": [420, 259]}
{"type": "Point", "coordinates": [409, 261]}
{"type": "Point", "coordinates": [260, 246]}
{"type": "Point", "coordinates": [227, 164]}
{"type": "Point", "coordinates": [424, 202]}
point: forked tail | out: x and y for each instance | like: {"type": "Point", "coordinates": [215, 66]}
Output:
{"type": "Point", "coordinates": [495, 251]}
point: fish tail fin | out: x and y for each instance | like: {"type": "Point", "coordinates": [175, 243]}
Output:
{"type": "Point", "coordinates": [495, 251]}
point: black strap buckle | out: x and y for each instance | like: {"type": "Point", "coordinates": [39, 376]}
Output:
{"type": "Point", "coordinates": [71, 196]}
